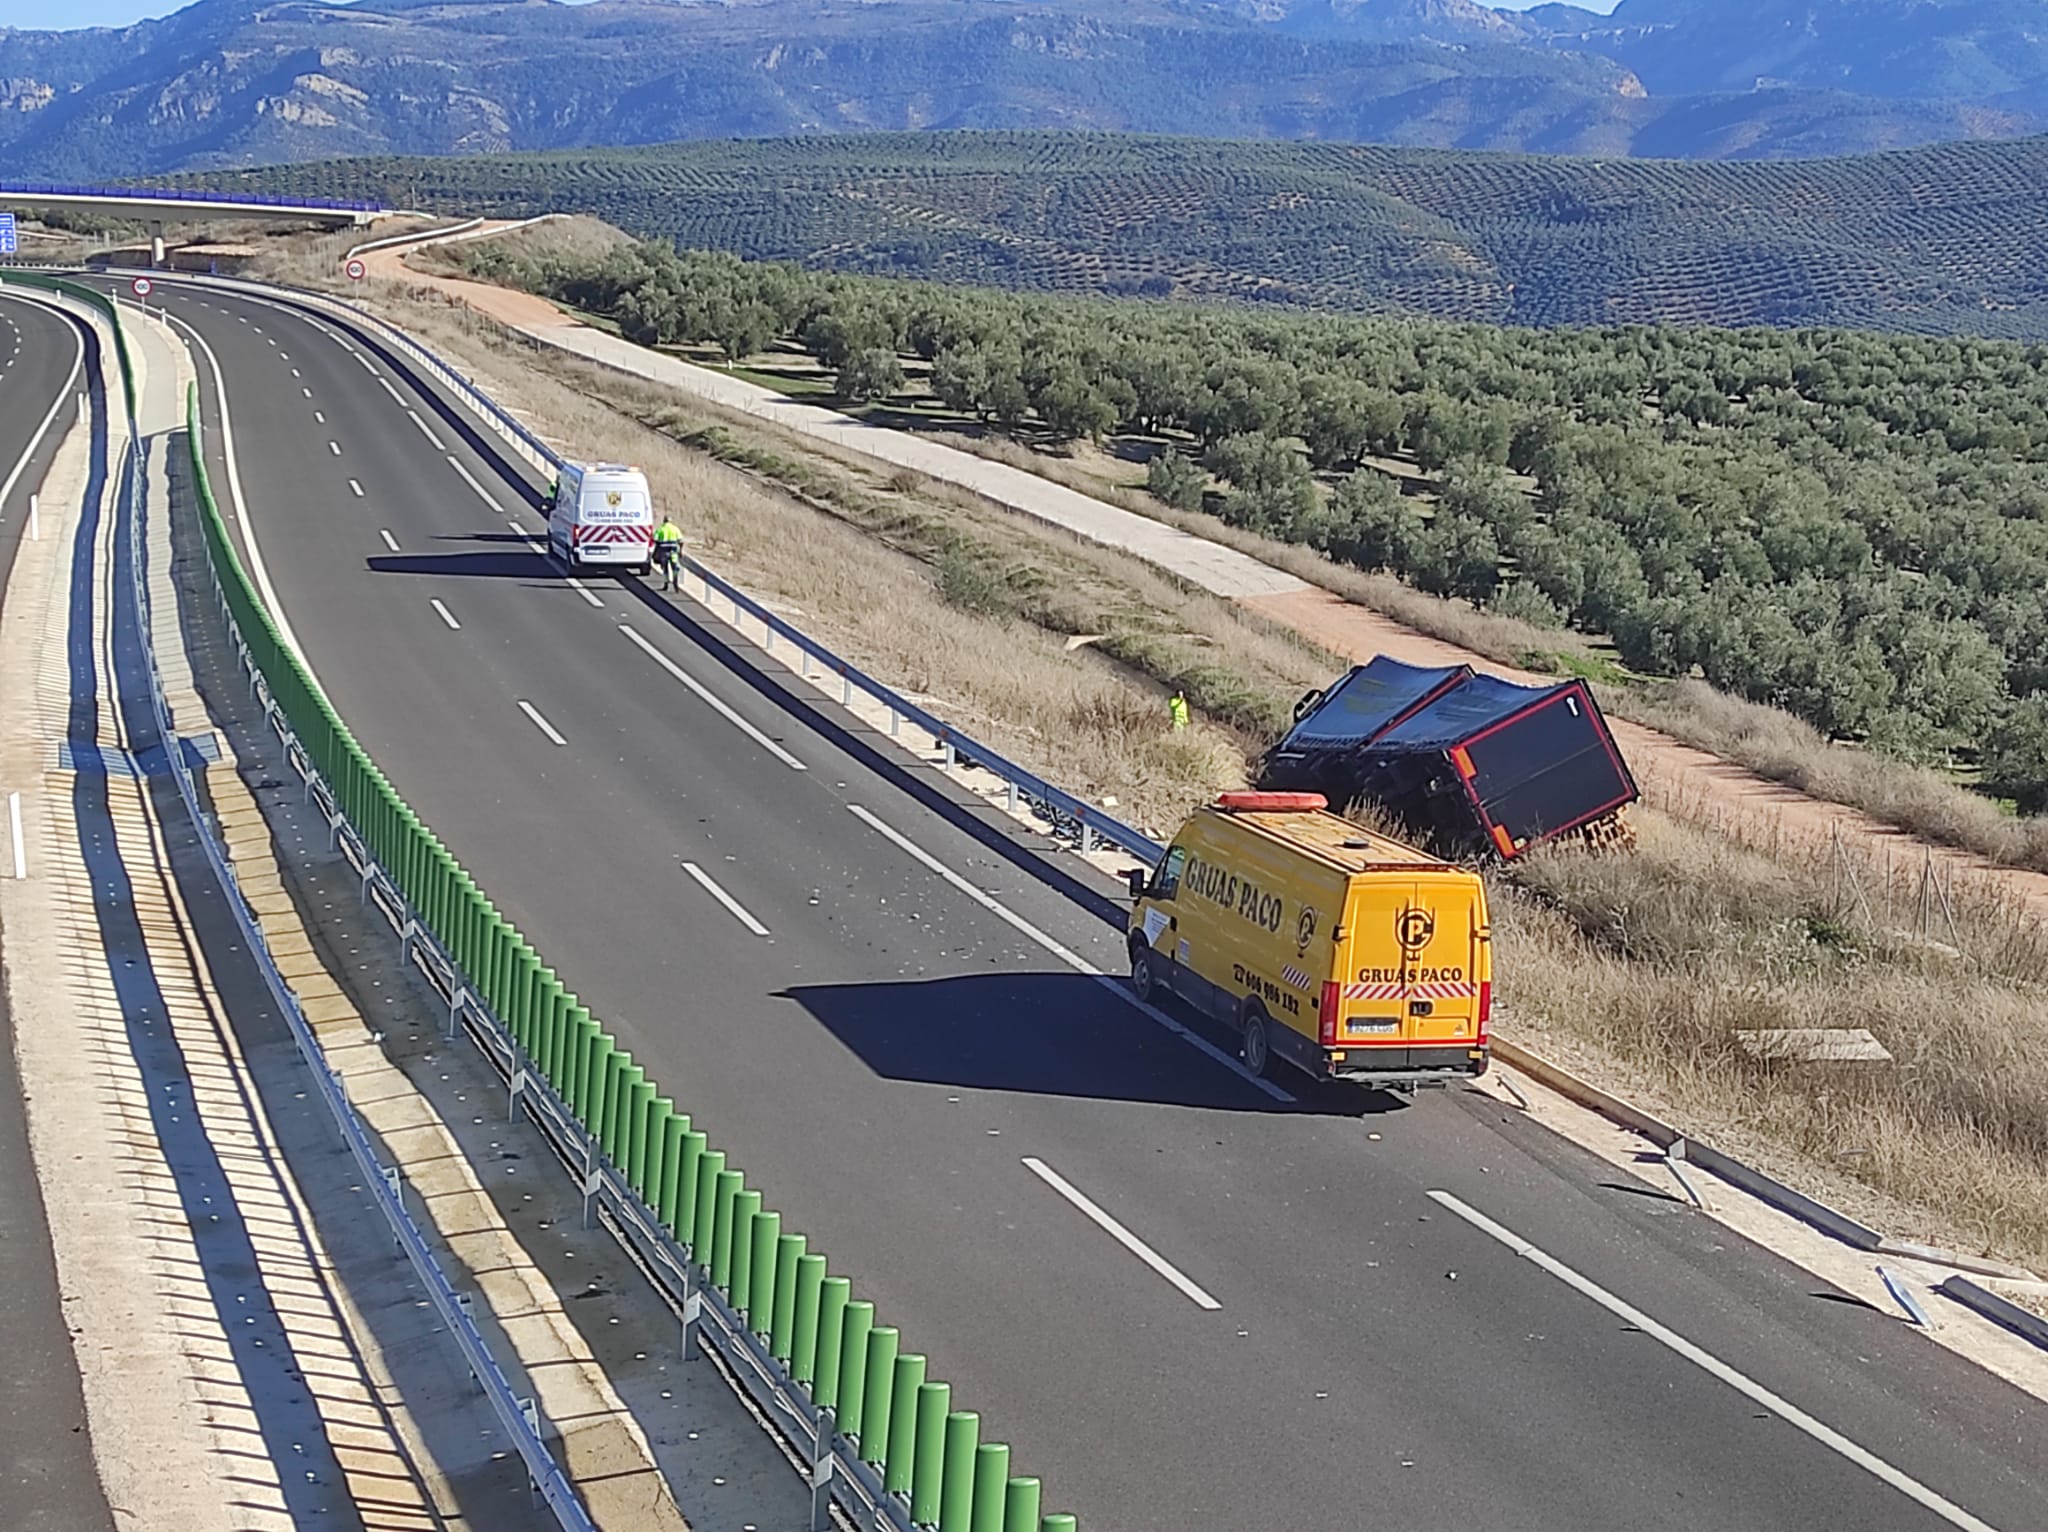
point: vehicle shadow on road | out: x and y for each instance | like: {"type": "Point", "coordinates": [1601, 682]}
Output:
{"type": "Point", "coordinates": [487, 565]}
{"type": "Point", "coordinates": [1050, 1034]}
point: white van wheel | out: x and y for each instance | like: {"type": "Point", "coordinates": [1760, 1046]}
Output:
{"type": "Point", "coordinates": [1144, 981]}
{"type": "Point", "coordinates": [1258, 1048]}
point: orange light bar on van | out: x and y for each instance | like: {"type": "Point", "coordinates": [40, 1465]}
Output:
{"type": "Point", "coordinates": [1326, 1013]}
{"type": "Point", "coordinates": [1504, 841]}
{"type": "Point", "coordinates": [1462, 762]}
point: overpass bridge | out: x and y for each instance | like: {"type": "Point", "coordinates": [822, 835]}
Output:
{"type": "Point", "coordinates": [155, 207]}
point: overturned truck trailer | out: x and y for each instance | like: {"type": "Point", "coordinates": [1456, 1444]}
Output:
{"type": "Point", "coordinates": [1471, 763]}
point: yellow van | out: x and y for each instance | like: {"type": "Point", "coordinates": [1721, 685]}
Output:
{"type": "Point", "coordinates": [1345, 954]}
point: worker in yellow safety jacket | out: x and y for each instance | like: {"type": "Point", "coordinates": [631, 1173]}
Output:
{"type": "Point", "coordinates": [668, 551]}
{"type": "Point", "coordinates": [1177, 710]}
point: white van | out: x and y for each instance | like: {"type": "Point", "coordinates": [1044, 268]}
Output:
{"type": "Point", "coordinates": [603, 516]}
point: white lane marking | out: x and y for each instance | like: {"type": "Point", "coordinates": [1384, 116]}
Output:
{"type": "Point", "coordinates": [1120, 1234]}
{"type": "Point", "coordinates": [733, 907]}
{"type": "Point", "coordinates": [519, 531]}
{"type": "Point", "coordinates": [307, 392]}
{"type": "Point", "coordinates": [580, 588]}
{"type": "Point", "coordinates": [14, 831]}
{"type": "Point", "coordinates": [1707, 1362]}
{"type": "Point", "coordinates": [447, 616]}
{"type": "Point", "coordinates": [355, 489]}
{"type": "Point", "coordinates": [335, 448]}
{"type": "Point", "coordinates": [426, 431]}
{"type": "Point", "coordinates": [63, 395]}
{"type": "Point", "coordinates": [227, 447]}
{"type": "Point", "coordinates": [396, 397]}
{"type": "Point", "coordinates": [1073, 960]}
{"type": "Point", "coordinates": [723, 711]}
{"type": "Point", "coordinates": [372, 371]}
{"type": "Point", "coordinates": [320, 417]}
{"type": "Point", "coordinates": [295, 373]}
{"type": "Point", "coordinates": [389, 541]}
{"type": "Point", "coordinates": [541, 723]}
{"type": "Point", "coordinates": [468, 478]}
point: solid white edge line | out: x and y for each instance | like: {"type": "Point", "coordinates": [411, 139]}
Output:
{"type": "Point", "coordinates": [14, 834]}
{"type": "Point", "coordinates": [1707, 1362]}
{"type": "Point", "coordinates": [1073, 960]}
{"type": "Point", "coordinates": [539, 722]}
{"type": "Point", "coordinates": [717, 703]}
{"type": "Point", "coordinates": [580, 588]}
{"type": "Point", "coordinates": [389, 541]}
{"type": "Point", "coordinates": [468, 478]}
{"type": "Point", "coordinates": [446, 615]}
{"type": "Point", "coordinates": [426, 430]}
{"type": "Point", "coordinates": [63, 398]}
{"type": "Point", "coordinates": [1116, 1231]}
{"type": "Point", "coordinates": [733, 907]}
{"type": "Point", "coordinates": [227, 447]}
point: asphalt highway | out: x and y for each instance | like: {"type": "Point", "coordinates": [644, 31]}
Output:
{"type": "Point", "coordinates": [48, 1482]}
{"type": "Point", "coordinates": [1185, 1301]}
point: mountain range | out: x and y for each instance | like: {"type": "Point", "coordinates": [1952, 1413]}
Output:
{"type": "Point", "coordinates": [248, 82]}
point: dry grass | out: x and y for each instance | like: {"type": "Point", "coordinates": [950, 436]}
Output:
{"type": "Point", "coordinates": [1635, 969]}
{"type": "Point", "coordinates": [1656, 960]}
{"type": "Point", "coordinates": [573, 239]}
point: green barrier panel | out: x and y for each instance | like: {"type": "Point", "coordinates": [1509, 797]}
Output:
{"type": "Point", "coordinates": [1020, 1506]}
{"type": "Point", "coordinates": [927, 1457]}
{"type": "Point", "coordinates": [710, 1166]}
{"type": "Point", "coordinates": [833, 1294]}
{"type": "Point", "coordinates": [686, 1199]}
{"type": "Point", "coordinates": [611, 1104]}
{"type": "Point", "coordinates": [744, 1207]}
{"type": "Point", "coordinates": [1059, 1521]}
{"type": "Point", "coordinates": [903, 1382]}
{"type": "Point", "coordinates": [956, 1487]}
{"type": "Point", "coordinates": [668, 1183]}
{"type": "Point", "coordinates": [550, 1009]}
{"type": "Point", "coordinates": [641, 1134]}
{"type": "Point", "coordinates": [755, 1295]}
{"type": "Point", "coordinates": [525, 995]}
{"type": "Point", "coordinates": [593, 1043]}
{"type": "Point", "coordinates": [797, 1342]}
{"type": "Point", "coordinates": [729, 1183]}
{"type": "Point", "coordinates": [991, 1478]}
{"type": "Point", "coordinates": [789, 1253]}
{"type": "Point", "coordinates": [870, 1391]}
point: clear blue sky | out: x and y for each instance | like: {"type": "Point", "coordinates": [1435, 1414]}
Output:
{"type": "Point", "coordinates": [119, 13]}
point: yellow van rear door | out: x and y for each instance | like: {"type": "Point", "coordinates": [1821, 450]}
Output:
{"type": "Point", "coordinates": [1411, 944]}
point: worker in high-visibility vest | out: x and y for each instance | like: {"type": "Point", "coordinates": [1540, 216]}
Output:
{"type": "Point", "coordinates": [668, 552]}
{"type": "Point", "coordinates": [1177, 710]}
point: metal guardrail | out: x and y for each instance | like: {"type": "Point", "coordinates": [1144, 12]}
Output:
{"type": "Point", "coordinates": [1071, 818]}
{"type": "Point", "coordinates": [516, 1415]}
{"type": "Point", "coordinates": [174, 194]}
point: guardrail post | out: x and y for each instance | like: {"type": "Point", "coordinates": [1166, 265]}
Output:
{"type": "Point", "coordinates": [593, 1176]}
{"type": "Point", "coordinates": [456, 1002]}
{"type": "Point", "coordinates": [821, 1471]}
{"type": "Point", "coordinates": [693, 1309]}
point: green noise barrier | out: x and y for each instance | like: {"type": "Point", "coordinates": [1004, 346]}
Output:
{"type": "Point", "coordinates": [928, 1453]}
{"type": "Point", "coordinates": [94, 299]}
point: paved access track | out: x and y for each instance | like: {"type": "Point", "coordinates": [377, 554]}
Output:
{"type": "Point", "coordinates": [1187, 1303]}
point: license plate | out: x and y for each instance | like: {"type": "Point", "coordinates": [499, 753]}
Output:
{"type": "Point", "coordinates": [1373, 1024]}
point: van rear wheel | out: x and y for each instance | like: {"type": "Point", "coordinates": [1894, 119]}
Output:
{"type": "Point", "coordinates": [1258, 1042]}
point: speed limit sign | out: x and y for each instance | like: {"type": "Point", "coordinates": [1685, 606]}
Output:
{"type": "Point", "coordinates": [356, 270]}
{"type": "Point", "coordinates": [143, 287]}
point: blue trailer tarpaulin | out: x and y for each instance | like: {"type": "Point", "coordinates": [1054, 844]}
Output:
{"type": "Point", "coordinates": [1469, 762]}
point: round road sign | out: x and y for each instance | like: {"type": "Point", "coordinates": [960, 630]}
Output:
{"type": "Point", "coordinates": [356, 270]}
{"type": "Point", "coordinates": [143, 287]}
